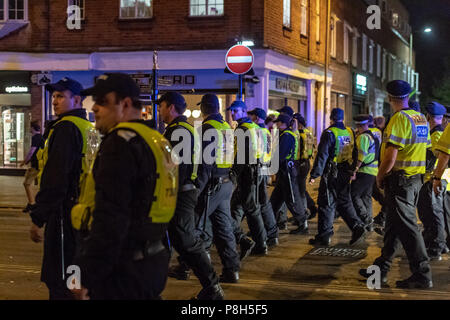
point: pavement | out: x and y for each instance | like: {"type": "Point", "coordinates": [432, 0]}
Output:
{"type": "Point", "coordinates": [292, 271]}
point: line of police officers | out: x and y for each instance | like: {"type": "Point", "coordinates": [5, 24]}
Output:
{"type": "Point", "coordinates": [117, 213]}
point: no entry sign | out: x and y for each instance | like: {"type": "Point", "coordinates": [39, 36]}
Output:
{"type": "Point", "coordinates": [239, 59]}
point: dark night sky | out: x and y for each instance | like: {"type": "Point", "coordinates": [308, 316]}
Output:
{"type": "Point", "coordinates": [432, 49]}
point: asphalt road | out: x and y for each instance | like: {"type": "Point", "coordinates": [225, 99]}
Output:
{"type": "Point", "coordinates": [293, 270]}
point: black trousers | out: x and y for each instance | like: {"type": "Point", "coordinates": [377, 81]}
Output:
{"type": "Point", "coordinates": [218, 225]}
{"type": "Point", "coordinates": [447, 215]}
{"type": "Point", "coordinates": [379, 197]}
{"type": "Point", "coordinates": [244, 203]}
{"type": "Point", "coordinates": [53, 259]}
{"type": "Point", "coordinates": [281, 195]}
{"type": "Point", "coordinates": [186, 241]}
{"type": "Point", "coordinates": [267, 214]}
{"type": "Point", "coordinates": [334, 196]}
{"type": "Point", "coordinates": [401, 225]}
{"type": "Point", "coordinates": [135, 280]}
{"type": "Point", "coordinates": [431, 212]}
{"type": "Point", "coordinates": [361, 191]}
{"type": "Point", "coordinates": [303, 168]}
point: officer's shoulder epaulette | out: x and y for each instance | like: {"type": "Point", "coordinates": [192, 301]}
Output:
{"type": "Point", "coordinates": [127, 135]}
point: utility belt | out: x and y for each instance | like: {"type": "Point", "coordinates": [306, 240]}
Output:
{"type": "Point", "coordinates": [399, 177]}
{"type": "Point", "coordinates": [150, 249]}
{"type": "Point", "coordinates": [187, 187]}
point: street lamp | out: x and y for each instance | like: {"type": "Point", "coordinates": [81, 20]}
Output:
{"type": "Point", "coordinates": [427, 30]}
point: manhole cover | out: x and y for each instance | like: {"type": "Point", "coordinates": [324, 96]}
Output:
{"type": "Point", "coordinates": [338, 252]}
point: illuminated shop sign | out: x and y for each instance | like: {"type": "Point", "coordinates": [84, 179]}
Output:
{"type": "Point", "coordinates": [360, 84]}
{"type": "Point", "coordinates": [16, 89]}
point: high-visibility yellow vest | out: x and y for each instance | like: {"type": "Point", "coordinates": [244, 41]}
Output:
{"type": "Point", "coordinates": [255, 146]}
{"type": "Point", "coordinates": [197, 148]}
{"type": "Point", "coordinates": [267, 145]}
{"type": "Point", "coordinates": [345, 142]}
{"type": "Point", "coordinates": [294, 152]}
{"type": "Point", "coordinates": [223, 159]}
{"type": "Point", "coordinates": [164, 196]}
{"type": "Point", "coordinates": [307, 143]}
{"type": "Point", "coordinates": [377, 134]}
{"type": "Point", "coordinates": [90, 142]}
{"type": "Point", "coordinates": [367, 154]}
{"type": "Point", "coordinates": [409, 131]}
{"type": "Point", "coordinates": [443, 145]}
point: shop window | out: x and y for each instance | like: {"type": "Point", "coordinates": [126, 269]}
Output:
{"type": "Point", "coordinates": [13, 10]}
{"type": "Point", "coordinates": [136, 9]}
{"type": "Point", "coordinates": [287, 13]}
{"type": "Point", "coordinates": [79, 4]}
{"type": "Point", "coordinates": [206, 8]}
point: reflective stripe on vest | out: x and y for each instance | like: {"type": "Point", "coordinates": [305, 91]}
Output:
{"type": "Point", "coordinates": [267, 140]}
{"type": "Point", "coordinates": [307, 144]}
{"type": "Point", "coordinates": [343, 150]}
{"type": "Point", "coordinates": [293, 154]}
{"type": "Point", "coordinates": [223, 156]}
{"type": "Point", "coordinates": [87, 131]}
{"type": "Point", "coordinates": [166, 188]}
{"type": "Point", "coordinates": [189, 127]}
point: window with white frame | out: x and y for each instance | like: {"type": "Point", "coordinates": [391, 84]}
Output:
{"type": "Point", "coordinates": [136, 9]}
{"type": "Point", "coordinates": [206, 8]}
{"type": "Point", "coordinates": [347, 29]}
{"type": "Point", "coordinates": [318, 20]}
{"type": "Point", "coordinates": [383, 75]}
{"type": "Point", "coordinates": [287, 13]}
{"type": "Point", "coordinates": [304, 17]}
{"type": "Point", "coordinates": [13, 10]}
{"type": "Point", "coordinates": [79, 4]}
{"type": "Point", "coordinates": [356, 35]}
{"type": "Point", "coordinates": [364, 52]}
{"type": "Point", "coordinates": [371, 46]}
{"type": "Point", "coordinates": [395, 19]}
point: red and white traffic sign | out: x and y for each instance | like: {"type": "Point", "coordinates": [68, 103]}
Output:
{"type": "Point", "coordinates": [239, 59]}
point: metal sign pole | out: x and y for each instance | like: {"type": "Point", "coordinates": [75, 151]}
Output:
{"type": "Point", "coordinates": [155, 89]}
{"type": "Point", "coordinates": [240, 88]}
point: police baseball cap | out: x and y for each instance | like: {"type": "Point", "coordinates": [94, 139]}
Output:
{"type": "Point", "coordinates": [284, 118]}
{"type": "Point", "coordinates": [172, 98]}
{"type": "Point", "coordinates": [398, 89]}
{"type": "Point", "coordinates": [414, 105]}
{"type": "Point", "coordinates": [436, 109]}
{"type": "Point", "coordinates": [337, 114]}
{"type": "Point", "coordinates": [237, 105]}
{"type": "Point", "coordinates": [121, 83]}
{"type": "Point", "coordinates": [260, 113]}
{"type": "Point", "coordinates": [65, 84]}
{"type": "Point", "coordinates": [361, 119]}
{"type": "Point", "coordinates": [287, 110]}
{"type": "Point", "coordinates": [300, 119]}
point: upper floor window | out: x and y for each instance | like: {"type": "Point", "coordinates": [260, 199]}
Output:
{"type": "Point", "coordinates": [318, 20]}
{"type": "Point", "coordinates": [287, 13]}
{"type": "Point", "coordinates": [395, 20]}
{"type": "Point", "coordinates": [136, 9]}
{"type": "Point", "coordinates": [206, 7]}
{"type": "Point", "coordinates": [80, 4]}
{"type": "Point", "coordinates": [304, 18]}
{"type": "Point", "coordinates": [13, 10]}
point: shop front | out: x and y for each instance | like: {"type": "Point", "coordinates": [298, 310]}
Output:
{"type": "Point", "coordinates": [15, 118]}
{"type": "Point", "coordinates": [285, 90]}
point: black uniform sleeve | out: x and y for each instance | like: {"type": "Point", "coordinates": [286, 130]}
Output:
{"type": "Point", "coordinates": [60, 176]}
{"type": "Point", "coordinates": [326, 144]}
{"type": "Point", "coordinates": [115, 170]}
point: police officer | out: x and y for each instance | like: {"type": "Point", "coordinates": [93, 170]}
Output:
{"type": "Point", "coordinates": [128, 200]}
{"type": "Point", "coordinates": [60, 168]}
{"type": "Point", "coordinates": [259, 116]}
{"type": "Point", "coordinates": [334, 163]}
{"type": "Point", "coordinates": [286, 188]}
{"type": "Point", "coordinates": [216, 187]}
{"type": "Point", "coordinates": [306, 150]}
{"type": "Point", "coordinates": [286, 110]}
{"type": "Point", "coordinates": [403, 156]}
{"type": "Point", "coordinates": [441, 173]}
{"type": "Point", "coordinates": [182, 227]}
{"type": "Point", "coordinates": [431, 206]}
{"type": "Point", "coordinates": [365, 172]}
{"type": "Point", "coordinates": [246, 170]}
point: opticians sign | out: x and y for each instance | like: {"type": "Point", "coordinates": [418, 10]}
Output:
{"type": "Point", "coordinates": [16, 89]}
